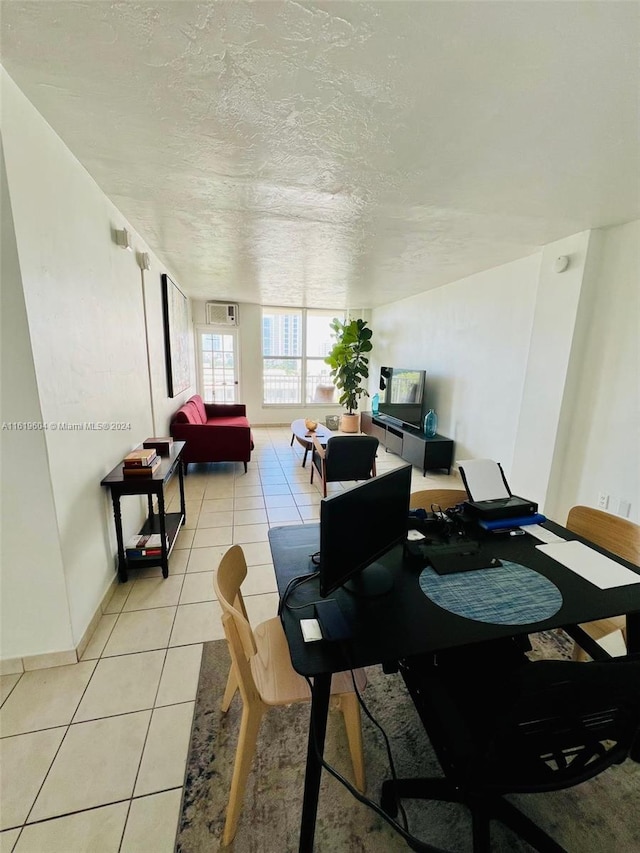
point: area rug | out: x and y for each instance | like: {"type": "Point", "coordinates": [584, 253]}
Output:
{"type": "Point", "coordinates": [600, 816]}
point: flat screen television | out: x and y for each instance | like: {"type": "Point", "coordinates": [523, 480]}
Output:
{"type": "Point", "coordinates": [401, 393]}
{"type": "Point", "coordinates": [357, 527]}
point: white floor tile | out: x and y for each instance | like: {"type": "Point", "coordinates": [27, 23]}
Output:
{"type": "Point", "coordinates": [261, 607]}
{"type": "Point", "coordinates": [272, 501]}
{"type": "Point", "coordinates": [256, 502]}
{"type": "Point", "coordinates": [96, 830]}
{"type": "Point", "coordinates": [250, 533]}
{"type": "Point", "coordinates": [248, 491]}
{"type": "Point", "coordinates": [209, 536]}
{"type": "Point", "coordinates": [152, 823]}
{"type": "Point", "coordinates": [25, 761]}
{"type": "Point", "coordinates": [45, 698]}
{"type": "Point", "coordinates": [250, 516]}
{"type": "Point", "coordinates": [178, 561]}
{"type": "Point", "coordinates": [206, 559]}
{"type": "Point", "coordinates": [259, 579]}
{"type": "Point", "coordinates": [117, 600]}
{"type": "Point", "coordinates": [198, 586]}
{"type": "Point", "coordinates": [184, 540]}
{"type": "Point", "coordinates": [215, 519]}
{"type": "Point", "coordinates": [101, 635]}
{"type": "Point", "coordinates": [256, 553]}
{"type": "Point", "coordinates": [7, 683]}
{"type": "Point", "coordinates": [179, 682]}
{"type": "Point", "coordinates": [197, 623]}
{"type": "Point", "coordinates": [8, 840]}
{"type": "Point", "coordinates": [154, 592]}
{"type": "Point", "coordinates": [280, 489]}
{"type": "Point", "coordinates": [122, 684]}
{"type": "Point", "coordinates": [217, 505]}
{"type": "Point", "coordinates": [165, 752]}
{"type": "Point", "coordinates": [141, 631]}
{"type": "Point", "coordinates": [96, 765]}
{"type": "Point", "coordinates": [283, 513]}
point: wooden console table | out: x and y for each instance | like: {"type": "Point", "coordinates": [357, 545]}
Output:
{"type": "Point", "coordinates": [167, 524]}
{"type": "Point", "coordinates": [413, 445]}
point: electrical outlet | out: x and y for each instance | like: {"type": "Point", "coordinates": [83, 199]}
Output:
{"type": "Point", "coordinates": [603, 500]}
{"type": "Point", "coordinates": [624, 507]}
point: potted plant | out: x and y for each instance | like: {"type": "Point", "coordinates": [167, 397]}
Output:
{"type": "Point", "coordinates": [349, 366]}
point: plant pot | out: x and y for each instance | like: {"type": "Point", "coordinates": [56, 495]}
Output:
{"type": "Point", "coordinates": [350, 423]}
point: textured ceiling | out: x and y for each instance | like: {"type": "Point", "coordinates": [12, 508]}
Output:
{"type": "Point", "coordinates": [343, 153]}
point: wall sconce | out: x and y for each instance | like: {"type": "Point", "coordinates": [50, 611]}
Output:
{"type": "Point", "coordinates": [144, 261]}
{"type": "Point", "coordinates": [123, 239]}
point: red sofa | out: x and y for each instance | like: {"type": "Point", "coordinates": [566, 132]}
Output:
{"type": "Point", "coordinates": [214, 432]}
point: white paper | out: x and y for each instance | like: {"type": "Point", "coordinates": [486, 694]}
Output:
{"type": "Point", "coordinates": [594, 567]}
{"type": "Point", "coordinates": [484, 479]}
{"type": "Point", "coordinates": [541, 533]}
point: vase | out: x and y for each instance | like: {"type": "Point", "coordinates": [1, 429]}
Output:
{"type": "Point", "coordinates": [430, 423]}
{"type": "Point", "coordinates": [375, 402]}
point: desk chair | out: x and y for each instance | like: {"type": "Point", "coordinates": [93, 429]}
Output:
{"type": "Point", "coordinates": [261, 670]}
{"type": "Point", "coordinates": [444, 498]}
{"type": "Point", "coordinates": [534, 727]}
{"type": "Point", "coordinates": [622, 538]}
{"type": "Point", "coordinates": [345, 457]}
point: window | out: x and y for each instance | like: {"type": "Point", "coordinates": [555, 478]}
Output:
{"type": "Point", "coordinates": [295, 342]}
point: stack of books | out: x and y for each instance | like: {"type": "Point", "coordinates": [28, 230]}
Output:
{"type": "Point", "coordinates": [140, 463]}
{"type": "Point", "coordinates": [144, 545]}
{"type": "Point", "coordinates": [162, 445]}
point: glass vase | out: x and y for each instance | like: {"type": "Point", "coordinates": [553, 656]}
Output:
{"type": "Point", "coordinates": [430, 423]}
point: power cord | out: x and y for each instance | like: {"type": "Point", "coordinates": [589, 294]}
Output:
{"type": "Point", "coordinates": [294, 583]}
{"type": "Point", "coordinates": [414, 842]}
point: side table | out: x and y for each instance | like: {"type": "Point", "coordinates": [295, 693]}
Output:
{"type": "Point", "coordinates": [166, 524]}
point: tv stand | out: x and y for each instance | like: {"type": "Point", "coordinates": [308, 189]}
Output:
{"type": "Point", "coordinates": [409, 443]}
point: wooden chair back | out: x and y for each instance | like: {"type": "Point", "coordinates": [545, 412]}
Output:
{"type": "Point", "coordinates": [227, 582]}
{"type": "Point", "coordinates": [444, 498]}
{"type": "Point", "coordinates": [618, 535]}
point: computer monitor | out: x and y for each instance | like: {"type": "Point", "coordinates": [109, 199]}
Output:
{"type": "Point", "coordinates": [359, 526]}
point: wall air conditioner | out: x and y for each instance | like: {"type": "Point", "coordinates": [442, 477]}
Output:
{"type": "Point", "coordinates": [222, 314]}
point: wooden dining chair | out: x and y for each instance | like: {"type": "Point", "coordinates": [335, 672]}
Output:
{"type": "Point", "coordinates": [622, 538]}
{"type": "Point", "coordinates": [443, 498]}
{"type": "Point", "coordinates": [261, 670]}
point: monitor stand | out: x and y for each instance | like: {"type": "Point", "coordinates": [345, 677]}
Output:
{"type": "Point", "coordinates": [375, 580]}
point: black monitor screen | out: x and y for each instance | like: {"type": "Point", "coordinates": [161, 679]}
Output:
{"type": "Point", "coordinates": [360, 525]}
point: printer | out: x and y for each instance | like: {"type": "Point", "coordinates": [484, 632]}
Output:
{"type": "Point", "coordinates": [490, 498]}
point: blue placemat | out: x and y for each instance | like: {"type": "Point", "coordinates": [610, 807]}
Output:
{"type": "Point", "coordinates": [509, 594]}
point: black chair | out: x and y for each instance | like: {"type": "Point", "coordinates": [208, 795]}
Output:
{"type": "Point", "coordinates": [517, 727]}
{"type": "Point", "coordinates": [346, 457]}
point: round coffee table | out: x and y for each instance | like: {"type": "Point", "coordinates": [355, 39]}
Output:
{"type": "Point", "coordinates": [305, 438]}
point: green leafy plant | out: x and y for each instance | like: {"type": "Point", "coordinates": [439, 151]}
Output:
{"type": "Point", "coordinates": [348, 362]}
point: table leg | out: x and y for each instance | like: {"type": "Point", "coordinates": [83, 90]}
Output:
{"type": "Point", "coordinates": [633, 633]}
{"type": "Point", "coordinates": [315, 749]}
{"type": "Point", "coordinates": [181, 483]}
{"type": "Point", "coordinates": [122, 560]}
{"type": "Point", "coordinates": [163, 535]}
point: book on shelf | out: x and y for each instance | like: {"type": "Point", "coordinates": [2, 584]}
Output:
{"type": "Point", "coordinates": [145, 541]}
{"type": "Point", "coordinates": [142, 470]}
{"type": "Point", "coordinates": [139, 458]}
{"type": "Point", "coordinates": [137, 553]}
{"type": "Point", "coordinates": [162, 444]}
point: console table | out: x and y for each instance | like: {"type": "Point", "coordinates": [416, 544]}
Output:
{"type": "Point", "coordinates": [167, 524]}
{"type": "Point", "coordinates": [413, 445]}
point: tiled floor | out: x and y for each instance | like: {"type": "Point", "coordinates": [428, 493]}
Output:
{"type": "Point", "coordinates": [93, 755]}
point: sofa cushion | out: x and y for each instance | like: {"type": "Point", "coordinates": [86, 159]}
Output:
{"type": "Point", "coordinates": [187, 414]}
{"type": "Point", "coordinates": [197, 402]}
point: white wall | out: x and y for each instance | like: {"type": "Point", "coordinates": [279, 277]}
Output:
{"type": "Point", "coordinates": [83, 297]}
{"type": "Point", "coordinates": [537, 370]}
{"type": "Point", "coordinates": [603, 416]}
{"type": "Point", "coordinates": [32, 569]}
{"type": "Point", "coordinates": [472, 338]}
